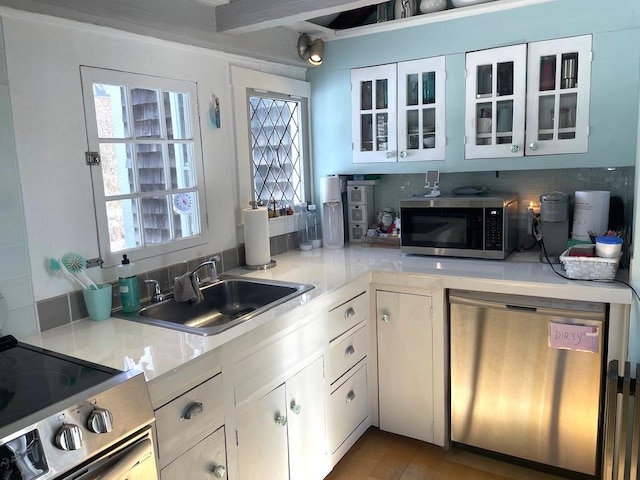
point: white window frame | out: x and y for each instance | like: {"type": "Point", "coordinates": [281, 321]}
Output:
{"type": "Point", "coordinates": [92, 75]}
{"type": "Point", "coordinates": [243, 80]}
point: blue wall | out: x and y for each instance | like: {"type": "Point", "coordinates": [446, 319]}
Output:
{"type": "Point", "coordinates": [615, 27]}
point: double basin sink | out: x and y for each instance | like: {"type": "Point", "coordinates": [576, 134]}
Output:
{"type": "Point", "coordinates": [228, 301]}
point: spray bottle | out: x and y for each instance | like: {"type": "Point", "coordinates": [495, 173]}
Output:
{"type": "Point", "coordinates": [128, 283]}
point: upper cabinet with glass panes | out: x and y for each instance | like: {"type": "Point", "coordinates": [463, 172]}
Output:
{"type": "Point", "coordinates": [557, 78]}
{"type": "Point", "coordinates": [399, 111]}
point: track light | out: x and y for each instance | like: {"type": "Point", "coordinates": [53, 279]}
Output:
{"type": "Point", "coordinates": [312, 51]}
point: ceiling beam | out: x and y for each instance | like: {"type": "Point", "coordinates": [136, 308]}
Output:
{"type": "Point", "coordinates": [242, 16]}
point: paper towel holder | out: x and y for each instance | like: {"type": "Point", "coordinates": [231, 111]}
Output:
{"type": "Point", "coordinates": [266, 266]}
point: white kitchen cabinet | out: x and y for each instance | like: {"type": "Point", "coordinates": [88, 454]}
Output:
{"type": "Point", "coordinates": [405, 364]}
{"type": "Point", "coordinates": [283, 434]}
{"type": "Point", "coordinates": [399, 111]}
{"type": "Point", "coordinates": [207, 459]}
{"type": "Point", "coordinates": [514, 92]}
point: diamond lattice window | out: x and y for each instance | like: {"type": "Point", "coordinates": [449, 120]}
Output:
{"type": "Point", "coordinates": [276, 150]}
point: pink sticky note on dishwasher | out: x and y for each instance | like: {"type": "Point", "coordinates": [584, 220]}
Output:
{"type": "Point", "coordinates": [574, 337]}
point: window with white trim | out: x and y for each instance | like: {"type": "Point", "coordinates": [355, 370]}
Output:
{"type": "Point", "coordinates": [148, 188]}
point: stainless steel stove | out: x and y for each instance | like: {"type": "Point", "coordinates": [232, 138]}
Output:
{"type": "Point", "coordinates": [65, 418]}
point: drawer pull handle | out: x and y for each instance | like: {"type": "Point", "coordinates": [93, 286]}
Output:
{"type": "Point", "coordinates": [296, 407]}
{"type": "Point", "coordinates": [385, 318]}
{"type": "Point", "coordinates": [193, 410]}
{"type": "Point", "coordinates": [350, 397]}
{"type": "Point", "coordinates": [349, 312]}
{"type": "Point", "coordinates": [219, 471]}
{"type": "Point", "coordinates": [281, 420]}
{"type": "Point", "coordinates": [349, 351]}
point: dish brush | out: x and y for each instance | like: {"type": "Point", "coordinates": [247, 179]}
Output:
{"type": "Point", "coordinates": [76, 263]}
{"type": "Point", "coordinates": [56, 266]}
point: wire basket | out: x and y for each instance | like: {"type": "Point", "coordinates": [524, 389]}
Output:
{"type": "Point", "coordinates": [589, 268]}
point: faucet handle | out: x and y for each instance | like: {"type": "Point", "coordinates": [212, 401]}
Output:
{"type": "Point", "coordinates": [215, 258]}
{"type": "Point", "coordinates": [157, 292]}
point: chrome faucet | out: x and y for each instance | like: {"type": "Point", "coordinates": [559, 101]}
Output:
{"type": "Point", "coordinates": [213, 271]}
{"type": "Point", "coordinates": [158, 296]}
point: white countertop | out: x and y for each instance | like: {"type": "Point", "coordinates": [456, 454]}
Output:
{"type": "Point", "coordinates": [157, 351]}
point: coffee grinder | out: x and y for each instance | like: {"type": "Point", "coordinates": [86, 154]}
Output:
{"type": "Point", "coordinates": [554, 225]}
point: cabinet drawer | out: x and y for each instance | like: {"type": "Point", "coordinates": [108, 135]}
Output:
{"type": "Point", "coordinates": [176, 434]}
{"type": "Point", "coordinates": [357, 231]}
{"type": "Point", "coordinates": [347, 315]}
{"type": "Point", "coordinates": [208, 459]}
{"type": "Point", "coordinates": [359, 214]}
{"type": "Point", "coordinates": [356, 195]}
{"type": "Point", "coordinates": [346, 351]}
{"type": "Point", "coordinates": [348, 407]}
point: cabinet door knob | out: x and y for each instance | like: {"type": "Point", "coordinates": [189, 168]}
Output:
{"type": "Point", "coordinates": [281, 420]}
{"type": "Point", "coordinates": [515, 148]}
{"type": "Point", "coordinates": [385, 318]}
{"type": "Point", "coordinates": [350, 397]}
{"type": "Point", "coordinates": [533, 146]}
{"type": "Point", "coordinates": [349, 351]}
{"type": "Point", "coordinates": [390, 154]}
{"type": "Point", "coordinates": [194, 409]}
{"type": "Point", "coordinates": [349, 312]}
{"type": "Point", "coordinates": [296, 407]}
{"type": "Point", "coordinates": [219, 471]}
{"type": "Point", "coordinates": [403, 154]}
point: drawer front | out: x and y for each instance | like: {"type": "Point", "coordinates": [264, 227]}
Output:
{"type": "Point", "coordinates": [348, 407]}
{"type": "Point", "coordinates": [357, 231]}
{"type": "Point", "coordinates": [356, 195]}
{"type": "Point", "coordinates": [208, 459]}
{"type": "Point", "coordinates": [346, 351]}
{"type": "Point", "coordinates": [177, 433]}
{"type": "Point", "coordinates": [358, 214]}
{"type": "Point", "coordinates": [347, 315]}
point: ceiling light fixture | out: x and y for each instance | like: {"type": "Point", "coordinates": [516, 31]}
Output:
{"type": "Point", "coordinates": [312, 51]}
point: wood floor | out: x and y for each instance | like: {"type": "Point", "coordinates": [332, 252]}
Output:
{"type": "Point", "coordinates": [380, 455]}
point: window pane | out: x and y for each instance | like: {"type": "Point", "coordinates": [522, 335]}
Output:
{"type": "Point", "coordinates": [124, 229]}
{"type": "Point", "coordinates": [155, 219]}
{"type": "Point", "coordinates": [177, 115]}
{"type": "Point", "coordinates": [116, 161]}
{"type": "Point", "coordinates": [186, 218]}
{"type": "Point", "coordinates": [181, 165]}
{"type": "Point", "coordinates": [276, 149]}
{"type": "Point", "coordinates": [146, 113]}
{"type": "Point", "coordinates": [150, 160]}
{"type": "Point", "coordinates": [111, 110]}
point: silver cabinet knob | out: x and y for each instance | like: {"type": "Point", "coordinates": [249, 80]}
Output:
{"type": "Point", "coordinates": [296, 407]}
{"type": "Point", "coordinates": [385, 318]}
{"type": "Point", "coordinates": [533, 146]}
{"type": "Point", "coordinates": [219, 471]}
{"type": "Point", "coordinates": [69, 437]}
{"type": "Point", "coordinates": [350, 397]}
{"type": "Point", "coordinates": [390, 154]}
{"type": "Point", "coordinates": [194, 409]}
{"type": "Point", "coordinates": [515, 148]}
{"type": "Point", "coordinates": [100, 421]}
{"type": "Point", "coordinates": [349, 351]}
{"type": "Point", "coordinates": [281, 420]}
{"type": "Point", "coordinates": [349, 312]}
{"type": "Point", "coordinates": [403, 154]}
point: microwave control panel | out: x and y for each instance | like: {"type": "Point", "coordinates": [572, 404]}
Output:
{"type": "Point", "coordinates": [493, 231]}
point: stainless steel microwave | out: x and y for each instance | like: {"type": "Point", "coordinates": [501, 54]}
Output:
{"type": "Point", "coordinates": [474, 226]}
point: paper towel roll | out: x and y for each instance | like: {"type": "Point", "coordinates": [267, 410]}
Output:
{"type": "Point", "coordinates": [256, 236]}
{"type": "Point", "coordinates": [591, 213]}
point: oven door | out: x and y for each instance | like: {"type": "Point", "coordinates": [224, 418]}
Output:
{"type": "Point", "coordinates": [135, 460]}
{"type": "Point", "coordinates": [452, 231]}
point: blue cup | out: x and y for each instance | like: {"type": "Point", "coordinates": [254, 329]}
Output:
{"type": "Point", "coordinates": [98, 302]}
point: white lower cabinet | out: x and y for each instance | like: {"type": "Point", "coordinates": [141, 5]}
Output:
{"type": "Point", "coordinates": [207, 459]}
{"type": "Point", "coordinates": [405, 364]}
{"type": "Point", "coordinates": [283, 434]}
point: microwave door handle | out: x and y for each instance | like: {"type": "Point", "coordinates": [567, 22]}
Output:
{"type": "Point", "coordinates": [138, 454]}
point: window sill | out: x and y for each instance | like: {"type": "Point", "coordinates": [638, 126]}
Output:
{"type": "Point", "coordinates": [283, 225]}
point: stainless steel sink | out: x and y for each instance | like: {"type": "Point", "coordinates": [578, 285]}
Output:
{"type": "Point", "coordinates": [227, 302]}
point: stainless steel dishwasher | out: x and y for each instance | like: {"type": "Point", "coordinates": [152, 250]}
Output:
{"type": "Point", "coordinates": [527, 377]}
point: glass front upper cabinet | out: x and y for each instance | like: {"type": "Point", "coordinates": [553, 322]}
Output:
{"type": "Point", "coordinates": [373, 95]}
{"type": "Point", "coordinates": [495, 102]}
{"type": "Point", "coordinates": [421, 112]}
{"type": "Point", "coordinates": [559, 84]}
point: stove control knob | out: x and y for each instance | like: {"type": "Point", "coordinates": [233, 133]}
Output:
{"type": "Point", "coordinates": [100, 421]}
{"type": "Point", "coordinates": [69, 437]}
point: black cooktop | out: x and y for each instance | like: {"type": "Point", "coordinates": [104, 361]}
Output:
{"type": "Point", "coordinates": [33, 378]}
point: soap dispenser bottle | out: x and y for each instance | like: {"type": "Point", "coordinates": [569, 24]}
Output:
{"type": "Point", "coordinates": [128, 283]}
